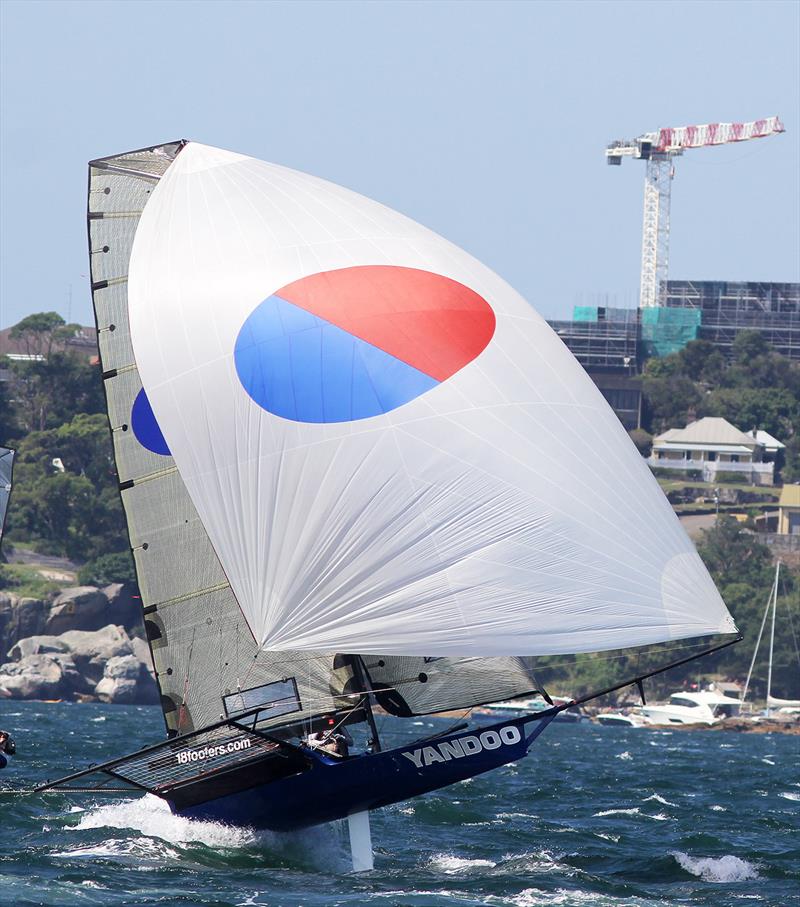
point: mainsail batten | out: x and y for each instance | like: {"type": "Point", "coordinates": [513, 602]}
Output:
{"type": "Point", "coordinates": [499, 511]}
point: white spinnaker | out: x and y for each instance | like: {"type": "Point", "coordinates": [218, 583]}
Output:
{"type": "Point", "coordinates": [503, 512]}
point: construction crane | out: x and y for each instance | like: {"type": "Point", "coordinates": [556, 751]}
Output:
{"type": "Point", "coordinates": [659, 149]}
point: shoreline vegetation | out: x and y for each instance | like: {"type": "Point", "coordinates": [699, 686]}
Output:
{"type": "Point", "coordinates": [66, 530]}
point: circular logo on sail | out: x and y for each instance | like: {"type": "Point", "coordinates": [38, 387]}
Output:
{"type": "Point", "coordinates": [147, 430]}
{"type": "Point", "coordinates": [349, 344]}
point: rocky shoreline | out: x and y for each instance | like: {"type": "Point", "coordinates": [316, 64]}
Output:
{"type": "Point", "coordinates": [86, 645]}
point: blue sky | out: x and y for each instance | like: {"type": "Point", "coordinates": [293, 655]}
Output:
{"type": "Point", "coordinates": [484, 121]}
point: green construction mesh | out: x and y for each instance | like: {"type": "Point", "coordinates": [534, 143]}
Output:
{"type": "Point", "coordinates": [666, 331]}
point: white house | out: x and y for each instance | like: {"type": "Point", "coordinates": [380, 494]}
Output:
{"type": "Point", "coordinates": [710, 446]}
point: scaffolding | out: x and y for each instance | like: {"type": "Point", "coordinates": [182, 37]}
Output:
{"type": "Point", "coordinates": [602, 338]}
{"type": "Point", "coordinates": [725, 309]}
{"type": "Point", "coordinates": [666, 331]}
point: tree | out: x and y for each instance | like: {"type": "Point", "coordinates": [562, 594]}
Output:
{"type": "Point", "coordinates": [775, 410]}
{"type": "Point", "coordinates": [43, 333]}
{"type": "Point", "coordinates": [108, 568]}
{"type": "Point", "coordinates": [76, 512]}
{"type": "Point", "coordinates": [700, 360]}
{"type": "Point", "coordinates": [748, 345]}
{"type": "Point", "coordinates": [50, 392]}
{"type": "Point", "coordinates": [734, 555]}
{"type": "Point", "coordinates": [642, 439]}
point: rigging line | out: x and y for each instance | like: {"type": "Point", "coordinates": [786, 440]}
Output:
{"type": "Point", "coordinates": [758, 641]}
{"type": "Point", "coordinates": [581, 699]}
{"type": "Point", "coordinates": [791, 618]}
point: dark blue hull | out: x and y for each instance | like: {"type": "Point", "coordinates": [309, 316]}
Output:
{"type": "Point", "coordinates": [332, 788]}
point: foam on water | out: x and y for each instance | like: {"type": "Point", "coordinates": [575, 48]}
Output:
{"type": "Point", "coordinates": [659, 799]}
{"type": "Point", "coordinates": [626, 756]}
{"type": "Point", "coordinates": [152, 817]}
{"type": "Point", "coordinates": [789, 795]}
{"type": "Point", "coordinates": [634, 811]}
{"type": "Point", "coordinates": [716, 869]}
{"type": "Point", "coordinates": [452, 865]}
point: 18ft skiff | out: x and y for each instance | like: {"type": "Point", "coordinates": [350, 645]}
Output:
{"type": "Point", "coordinates": [358, 469]}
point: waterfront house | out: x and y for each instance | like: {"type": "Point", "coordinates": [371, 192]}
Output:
{"type": "Point", "coordinates": [711, 446]}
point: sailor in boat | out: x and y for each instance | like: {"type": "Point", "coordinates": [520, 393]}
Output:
{"type": "Point", "coordinates": [7, 748]}
{"type": "Point", "coordinates": [335, 742]}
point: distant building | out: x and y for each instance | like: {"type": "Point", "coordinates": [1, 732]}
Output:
{"type": "Point", "coordinates": [724, 309]}
{"type": "Point", "coordinates": [789, 510]}
{"type": "Point", "coordinates": [83, 343]}
{"type": "Point", "coordinates": [711, 446]}
{"type": "Point", "coordinates": [606, 343]}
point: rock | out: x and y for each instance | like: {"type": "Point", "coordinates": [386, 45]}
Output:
{"type": "Point", "coordinates": [142, 651]}
{"type": "Point", "coordinates": [123, 608]}
{"type": "Point", "coordinates": [80, 608]}
{"type": "Point", "coordinates": [125, 680]}
{"type": "Point", "coordinates": [19, 618]}
{"type": "Point", "coordinates": [91, 649]}
{"type": "Point", "coordinates": [51, 676]}
{"type": "Point", "coordinates": [36, 645]}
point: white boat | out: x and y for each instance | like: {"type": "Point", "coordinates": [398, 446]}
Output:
{"type": "Point", "coordinates": [622, 719]}
{"type": "Point", "coordinates": [517, 706]}
{"type": "Point", "coordinates": [357, 469]}
{"type": "Point", "coordinates": [689, 707]}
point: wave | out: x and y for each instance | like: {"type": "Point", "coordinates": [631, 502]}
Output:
{"type": "Point", "coordinates": [452, 865]}
{"type": "Point", "coordinates": [716, 869]}
{"type": "Point", "coordinates": [789, 795]}
{"type": "Point", "coordinates": [659, 799]}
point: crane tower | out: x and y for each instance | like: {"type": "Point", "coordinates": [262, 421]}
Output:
{"type": "Point", "coordinates": [658, 149]}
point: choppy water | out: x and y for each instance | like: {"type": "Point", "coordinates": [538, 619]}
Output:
{"type": "Point", "coordinates": [594, 816]}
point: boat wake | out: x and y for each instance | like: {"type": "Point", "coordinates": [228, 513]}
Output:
{"type": "Point", "coordinates": [716, 869]}
{"type": "Point", "coordinates": [157, 835]}
{"type": "Point", "coordinates": [152, 817]}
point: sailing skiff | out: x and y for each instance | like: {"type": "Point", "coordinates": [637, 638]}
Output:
{"type": "Point", "coordinates": [358, 470]}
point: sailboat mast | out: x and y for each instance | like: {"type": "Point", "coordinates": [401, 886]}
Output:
{"type": "Point", "coordinates": [758, 640]}
{"type": "Point", "coordinates": [772, 634]}
{"type": "Point", "coordinates": [365, 686]}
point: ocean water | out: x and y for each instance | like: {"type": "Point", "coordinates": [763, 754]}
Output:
{"type": "Point", "coordinates": [593, 816]}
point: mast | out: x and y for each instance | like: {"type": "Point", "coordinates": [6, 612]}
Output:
{"type": "Point", "coordinates": [772, 633]}
{"type": "Point", "coordinates": [362, 679]}
{"type": "Point", "coordinates": [772, 592]}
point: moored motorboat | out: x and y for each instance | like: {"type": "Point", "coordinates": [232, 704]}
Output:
{"type": "Point", "coordinates": [693, 707]}
{"type": "Point", "coordinates": [622, 719]}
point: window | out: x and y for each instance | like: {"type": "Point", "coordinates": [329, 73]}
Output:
{"type": "Point", "coordinates": [273, 700]}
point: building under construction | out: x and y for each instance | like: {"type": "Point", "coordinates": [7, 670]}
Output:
{"type": "Point", "coordinates": [726, 309]}
{"type": "Point", "coordinates": [613, 344]}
